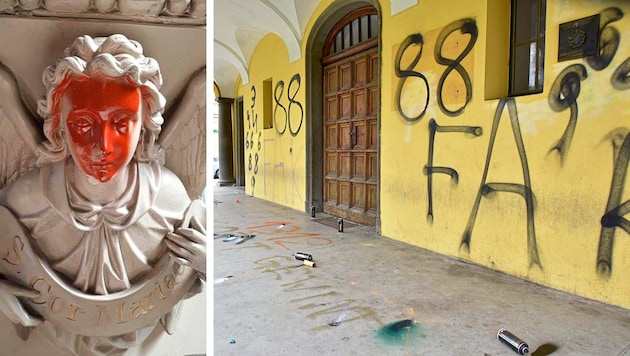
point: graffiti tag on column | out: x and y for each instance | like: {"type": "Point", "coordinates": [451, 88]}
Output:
{"type": "Point", "coordinates": [567, 85]}
{"type": "Point", "coordinates": [466, 26]}
{"type": "Point", "coordinates": [564, 93]}
{"type": "Point", "coordinates": [256, 156]}
{"type": "Point", "coordinates": [619, 79]}
{"type": "Point", "coordinates": [524, 190]}
{"type": "Point", "coordinates": [430, 169]}
{"type": "Point", "coordinates": [252, 124]}
{"type": "Point", "coordinates": [608, 39]}
{"type": "Point", "coordinates": [407, 73]}
{"type": "Point", "coordinates": [288, 118]}
{"type": "Point", "coordinates": [277, 93]}
{"type": "Point", "coordinates": [566, 88]}
{"type": "Point", "coordinates": [292, 101]}
{"type": "Point", "coordinates": [615, 210]}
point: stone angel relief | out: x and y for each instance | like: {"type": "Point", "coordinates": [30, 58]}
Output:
{"type": "Point", "coordinates": [99, 241]}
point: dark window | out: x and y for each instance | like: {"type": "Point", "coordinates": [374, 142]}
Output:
{"type": "Point", "coordinates": [527, 47]}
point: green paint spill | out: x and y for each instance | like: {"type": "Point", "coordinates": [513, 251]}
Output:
{"type": "Point", "coordinates": [400, 332]}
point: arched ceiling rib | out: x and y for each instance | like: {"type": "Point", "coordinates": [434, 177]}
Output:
{"type": "Point", "coordinates": [239, 25]}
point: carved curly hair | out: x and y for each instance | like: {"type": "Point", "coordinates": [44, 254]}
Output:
{"type": "Point", "coordinates": [113, 57]}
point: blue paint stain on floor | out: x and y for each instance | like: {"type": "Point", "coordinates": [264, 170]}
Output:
{"type": "Point", "coordinates": [401, 332]}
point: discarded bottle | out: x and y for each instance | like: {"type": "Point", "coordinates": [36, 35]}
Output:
{"type": "Point", "coordinates": [312, 211]}
{"type": "Point", "coordinates": [310, 263]}
{"type": "Point", "coordinates": [302, 256]}
{"type": "Point", "coordinates": [340, 225]}
{"type": "Point", "coordinates": [514, 342]}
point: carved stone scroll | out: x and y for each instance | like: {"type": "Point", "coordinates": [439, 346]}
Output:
{"type": "Point", "coordinates": [86, 314]}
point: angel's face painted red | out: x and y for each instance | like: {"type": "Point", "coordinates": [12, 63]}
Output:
{"type": "Point", "coordinates": [103, 122]}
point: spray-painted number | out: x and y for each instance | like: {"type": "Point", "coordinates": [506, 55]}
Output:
{"type": "Point", "coordinates": [287, 119]}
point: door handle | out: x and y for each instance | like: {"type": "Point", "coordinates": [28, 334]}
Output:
{"type": "Point", "coordinates": [353, 136]}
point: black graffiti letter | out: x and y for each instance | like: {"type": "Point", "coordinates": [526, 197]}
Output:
{"type": "Point", "coordinates": [249, 126]}
{"type": "Point", "coordinates": [253, 97]}
{"type": "Point", "coordinates": [465, 26]}
{"type": "Point", "coordinates": [292, 101]}
{"type": "Point", "coordinates": [619, 79]}
{"type": "Point", "coordinates": [404, 74]}
{"type": "Point", "coordinates": [255, 122]}
{"type": "Point", "coordinates": [524, 190]}
{"type": "Point", "coordinates": [256, 157]}
{"type": "Point", "coordinates": [615, 210]}
{"type": "Point", "coordinates": [608, 39]}
{"type": "Point", "coordinates": [277, 96]}
{"type": "Point", "coordinates": [429, 169]}
{"type": "Point", "coordinates": [564, 93]}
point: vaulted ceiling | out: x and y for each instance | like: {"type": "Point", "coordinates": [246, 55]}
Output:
{"type": "Point", "coordinates": [240, 24]}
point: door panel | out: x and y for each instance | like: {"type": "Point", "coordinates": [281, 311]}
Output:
{"type": "Point", "coordinates": [331, 83]}
{"type": "Point", "coordinates": [358, 135]}
{"type": "Point", "coordinates": [346, 75]}
{"type": "Point", "coordinates": [360, 70]}
{"type": "Point", "coordinates": [359, 100]}
{"type": "Point", "coordinates": [358, 163]}
{"type": "Point", "coordinates": [351, 137]}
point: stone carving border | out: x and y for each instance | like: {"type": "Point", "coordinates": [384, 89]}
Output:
{"type": "Point", "coordinates": [85, 314]}
{"type": "Point", "coordinates": [170, 12]}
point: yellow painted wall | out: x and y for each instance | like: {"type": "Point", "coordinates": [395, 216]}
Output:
{"type": "Point", "coordinates": [558, 245]}
{"type": "Point", "coordinates": [569, 195]}
{"type": "Point", "coordinates": [275, 156]}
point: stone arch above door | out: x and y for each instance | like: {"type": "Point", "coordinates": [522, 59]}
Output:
{"type": "Point", "coordinates": [314, 103]}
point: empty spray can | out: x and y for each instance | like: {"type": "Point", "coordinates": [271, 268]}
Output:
{"type": "Point", "coordinates": [340, 225]}
{"type": "Point", "coordinates": [310, 263]}
{"type": "Point", "coordinates": [302, 256]}
{"type": "Point", "coordinates": [514, 342]}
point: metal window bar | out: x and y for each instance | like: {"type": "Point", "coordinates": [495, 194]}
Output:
{"type": "Point", "coordinates": [353, 32]}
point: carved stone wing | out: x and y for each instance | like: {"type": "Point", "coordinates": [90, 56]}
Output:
{"type": "Point", "coordinates": [20, 132]}
{"type": "Point", "coordinates": [183, 137]}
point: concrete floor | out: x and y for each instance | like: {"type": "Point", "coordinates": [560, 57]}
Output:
{"type": "Point", "coordinates": [370, 295]}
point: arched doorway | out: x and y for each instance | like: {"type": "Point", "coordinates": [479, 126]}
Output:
{"type": "Point", "coordinates": [344, 98]}
{"type": "Point", "coordinates": [350, 92]}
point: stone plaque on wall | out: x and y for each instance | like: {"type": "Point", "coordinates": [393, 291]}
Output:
{"type": "Point", "coordinates": [578, 38]}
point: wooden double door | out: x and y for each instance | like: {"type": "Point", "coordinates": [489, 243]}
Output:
{"type": "Point", "coordinates": [351, 136]}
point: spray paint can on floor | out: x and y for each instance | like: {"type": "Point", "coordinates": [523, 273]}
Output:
{"type": "Point", "coordinates": [514, 342]}
{"type": "Point", "coordinates": [340, 225]}
{"type": "Point", "coordinates": [312, 211]}
{"type": "Point", "coordinates": [310, 263]}
{"type": "Point", "coordinates": [302, 256]}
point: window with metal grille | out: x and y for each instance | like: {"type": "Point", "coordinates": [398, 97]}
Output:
{"type": "Point", "coordinates": [527, 47]}
{"type": "Point", "coordinates": [357, 27]}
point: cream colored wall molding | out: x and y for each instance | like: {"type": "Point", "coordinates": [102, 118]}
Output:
{"type": "Point", "coordinates": [176, 12]}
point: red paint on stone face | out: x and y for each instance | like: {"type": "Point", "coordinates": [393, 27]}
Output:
{"type": "Point", "coordinates": [103, 122]}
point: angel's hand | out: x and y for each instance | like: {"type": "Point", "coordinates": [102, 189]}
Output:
{"type": "Point", "coordinates": [11, 306]}
{"type": "Point", "coordinates": [188, 245]}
